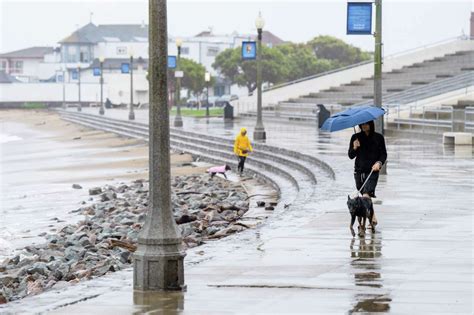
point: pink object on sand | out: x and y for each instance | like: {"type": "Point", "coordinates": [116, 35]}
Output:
{"type": "Point", "coordinates": [217, 169]}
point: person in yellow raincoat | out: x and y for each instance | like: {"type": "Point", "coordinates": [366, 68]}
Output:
{"type": "Point", "coordinates": [242, 147]}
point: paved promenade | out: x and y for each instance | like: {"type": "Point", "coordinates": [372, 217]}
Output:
{"type": "Point", "coordinates": [304, 260]}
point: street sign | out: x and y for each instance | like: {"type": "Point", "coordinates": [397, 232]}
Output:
{"type": "Point", "coordinates": [60, 78]}
{"type": "Point", "coordinates": [125, 68]}
{"type": "Point", "coordinates": [171, 62]}
{"type": "Point", "coordinates": [178, 74]}
{"type": "Point", "coordinates": [359, 18]}
{"type": "Point", "coordinates": [249, 50]}
{"type": "Point", "coordinates": [96, 72]}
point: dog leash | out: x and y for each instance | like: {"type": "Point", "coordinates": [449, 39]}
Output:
{"type": "Point", "coordinates": [366, 180]}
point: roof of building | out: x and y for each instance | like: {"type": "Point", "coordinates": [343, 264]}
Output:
{"type": "Point", "coordinates": [31, 52]}
{"type": "Point", "coordinates": [91, 33]}
{"type": "Point", "coordinates": [6, 78]}
{"type": "Point", "coordinates": [269, 38]}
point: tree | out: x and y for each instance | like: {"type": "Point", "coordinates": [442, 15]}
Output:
{"type": "Point", "coordinates": [301, 61]}
{"type": "Point", "coordinates": [193, 78]}
{"type": "Point", "coordinates": [289, 61]}
{"type": "Point", "coordinates": [337, 51]}
{"type": "Point", "coordinates": [244, 72]}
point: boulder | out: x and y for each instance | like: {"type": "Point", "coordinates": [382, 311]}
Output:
{"type": "Point", "coordinates": [95, 191]}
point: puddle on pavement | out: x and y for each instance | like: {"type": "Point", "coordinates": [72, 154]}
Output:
{"type": "Point", "coordinates": [366, 253]}
{"type": "Point", "coordinates": [158, 302]}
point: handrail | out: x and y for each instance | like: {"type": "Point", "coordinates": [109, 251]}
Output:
{"type": "Point", "coordinates": [401, 53]}
{"type": "Point", "coordinates": [448, 82]}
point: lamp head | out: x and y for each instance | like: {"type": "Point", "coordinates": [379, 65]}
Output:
{"type": "Point", "coordinates": [179, 42]}
{"type": "Point", "coordinates": [259, 22]}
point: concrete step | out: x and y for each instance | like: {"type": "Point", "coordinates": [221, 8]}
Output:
{"type": "Point", "coordinates": [292, 172]}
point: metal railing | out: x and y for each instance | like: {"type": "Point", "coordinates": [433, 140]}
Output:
{"type": "Point", "coordinates": [413, 94]}
{"type": "Point", "coordinates": [436, 122]}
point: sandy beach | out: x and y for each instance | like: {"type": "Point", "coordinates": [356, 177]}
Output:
{"type": "Point", "coordinates": [42, 156]}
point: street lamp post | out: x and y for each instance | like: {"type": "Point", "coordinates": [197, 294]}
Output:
{"type": "Point", "coordinates": [178, 120]}
{"type": "Point", "coordinates": [158, 260]}
{"type": "Point", "coordinates": [79, 106]}
{"type": "Point", "coordinates": [131, 114]}
{"type": "Point", "coordinates": [259, 132]}
{"type": "Point", "coordinates": [63, 68]}
{"type": "Point", "coordinates": [101, 60]}
{"type": "Point", "coordinates": [207, 78]}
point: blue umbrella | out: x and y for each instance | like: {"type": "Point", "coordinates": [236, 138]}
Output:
{"type": "Point", "coordinates": [352, 117]}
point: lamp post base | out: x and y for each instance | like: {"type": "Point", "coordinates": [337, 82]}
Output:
{"type": "Point", "coordinates": [101, 111]}
{"type": "Point", "coordinates": [259, 134]}
{"type": "Point", "coordinates": [178, 121]}
{"type": "Point", "coordinates": [158, 267]}
{"type": "Point", "coordinates": [131, 116]}
{"type": "Point", "coordinates": [79, 108]}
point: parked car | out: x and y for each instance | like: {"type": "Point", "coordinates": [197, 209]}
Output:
{"type": "Point", "coordinates": [193, 101]}
{"type": "Point", "coordinates": [226, 98]}
{"type": "Point", "coordinates": [212, 101]}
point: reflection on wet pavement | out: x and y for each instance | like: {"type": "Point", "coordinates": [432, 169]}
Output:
{"type": "Point", "coordinates": [158, 302]}
{"type": "Point", "coordinates": [366, 254]}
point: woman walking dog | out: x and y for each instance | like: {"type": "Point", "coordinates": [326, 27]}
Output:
{"type": "Point", "coordinates": [368, 149]}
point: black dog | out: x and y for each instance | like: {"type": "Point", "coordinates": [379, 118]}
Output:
{"type": "Point", "coordinates": [363, 209]}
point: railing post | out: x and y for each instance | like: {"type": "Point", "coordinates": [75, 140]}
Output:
{"type": "Point", "coordinates": [437, 122]}
{"type": "Point", "coordinates": [423, 126]}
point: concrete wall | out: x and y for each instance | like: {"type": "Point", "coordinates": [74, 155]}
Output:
{"type": "Point", "coordinates": [272, 97]}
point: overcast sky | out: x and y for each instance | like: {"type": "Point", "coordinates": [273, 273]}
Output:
{"type": "Point", "coordinates": [406, 24]}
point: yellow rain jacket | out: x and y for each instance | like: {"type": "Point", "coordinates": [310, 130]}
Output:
{"type": "Point", "coordinates": [242, 144]}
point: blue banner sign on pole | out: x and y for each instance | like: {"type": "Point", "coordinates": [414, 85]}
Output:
{"type": "Point", "coordinates": [125, 68]}
{"type": "Point", "coordinates": [60, 78]}
{"type": "Point", "coordinates": [249, 50]}
{"type": "Point", "coordinates": [171, 62]}
{"type": "Point", "coordinates": [359, 18]}
{"type": "Point", "coordinates": [96, 72]}
{"type": "Point", "coordinates": [74, 74]}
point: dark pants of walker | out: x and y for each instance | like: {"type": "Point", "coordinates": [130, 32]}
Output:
{"type": "Point", "coordinates": [369, 188]}
{"type": "Point", "coordinates": [241, 163]}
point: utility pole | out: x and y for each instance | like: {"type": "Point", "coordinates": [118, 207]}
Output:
{"type": "Point", "coordinates": [158, 262]}
{"type": "Point", "coordinates": [378, 71]}
{"type": "Point", "coordinates": [378, 64]}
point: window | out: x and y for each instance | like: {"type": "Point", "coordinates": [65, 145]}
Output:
{"type": "Point", "coordinates": [84, 54]}
{"type": "Point", "coordinates": [212, 51]}
{"type": "Point", "coordinates": [17, 67]}
{"type": "Point", "coordinates": [184, 50]}
{"type": "Point", "coordinates": [3, 66]}
{"type": "Point", "coordinates": [71, 54]}
{"type": "Point", "coordinates": [121, 50]}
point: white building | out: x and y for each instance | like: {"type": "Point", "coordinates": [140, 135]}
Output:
{"type": "Point", "coordinates": [115, 43]}
{"type": "Point", "coordinates": [32, 64]}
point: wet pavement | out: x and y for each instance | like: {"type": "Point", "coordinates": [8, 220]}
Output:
{"type": "Point", "coordinates": [304, 260]}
